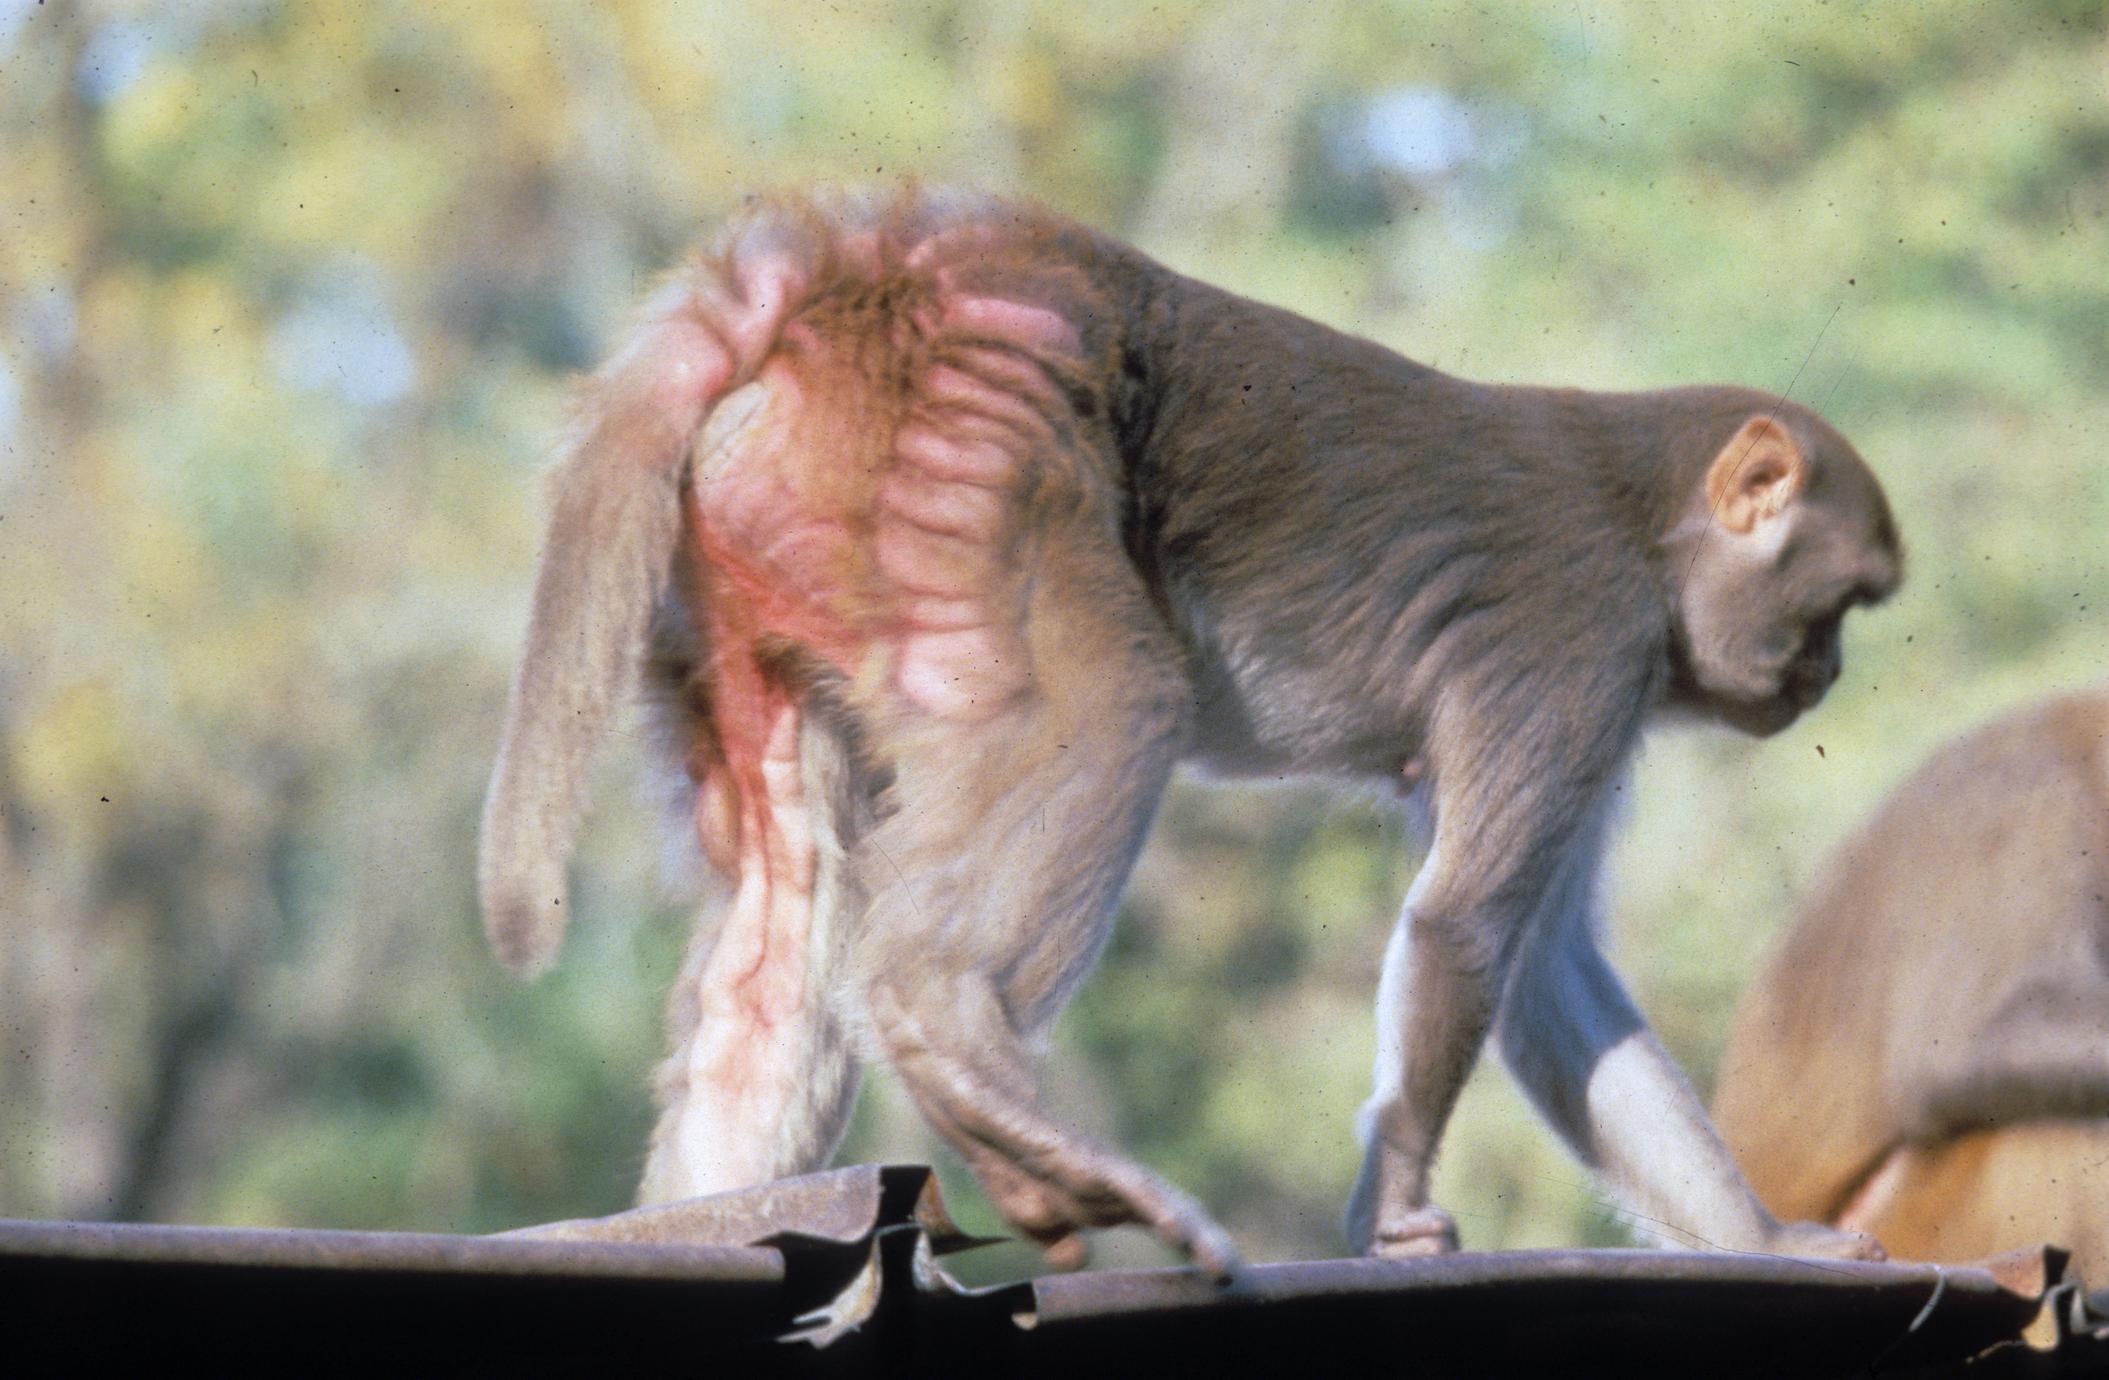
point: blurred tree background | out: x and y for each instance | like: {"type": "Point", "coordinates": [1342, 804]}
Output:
{"type": "Point", "coordinates": [289, 295]}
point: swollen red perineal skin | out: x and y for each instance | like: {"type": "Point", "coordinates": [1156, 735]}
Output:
{"type": "Point", "coordinates": [914, 563]}
{"type": "Point", "coordinates": [970, 512]}
{"type": "Point", "coordinates": [964, 453]}
{"type": "Point", "coordinates": [909, 560]}
{"type": "Point", "coordinates": [1021, 323]}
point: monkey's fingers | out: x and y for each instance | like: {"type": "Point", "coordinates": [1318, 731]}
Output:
{"type": "Point", "coordinates": [1423, 1231]}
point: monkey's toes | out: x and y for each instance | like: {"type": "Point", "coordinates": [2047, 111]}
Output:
{"type": "Point", "coordinates": [1424, 1231]}
{"type": "Point", "coordinates": [1052, 1211]}
{"type": "Point", "coordinates": [1203, 1242]}
{"type": "Point", "coordinates": [1210, 1248]}
{"type": "Point", "coordinates": [1067, 1253]}
{"type": "Point", "coordinates": [1178, 1220]}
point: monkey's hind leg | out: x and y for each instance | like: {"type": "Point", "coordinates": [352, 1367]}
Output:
{"type": "Point", "coordinates": [992, 881]}
{"type": "Point", "coordinates": [761, 1079]}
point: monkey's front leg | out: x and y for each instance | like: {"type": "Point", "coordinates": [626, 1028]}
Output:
{"type": "Point", "coordinates": [1505, 852]}
{"type": "Point", "coordinates": [1434, 1004]}
{"type": "Point", "coordinates": [1587, 1059]}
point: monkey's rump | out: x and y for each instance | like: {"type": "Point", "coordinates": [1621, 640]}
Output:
{"type": "Point", "coordinates": [862, 502]}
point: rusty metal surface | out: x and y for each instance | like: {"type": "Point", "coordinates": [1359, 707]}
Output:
{"type": "Point", "coordinates": [830, 1223]}
{"type": "Point", "coordinates": [396, 1252]}
{"type": "Point", "coordinates": [837, 1274]}
{"type": "Point", "coordinates": [841, 1205]}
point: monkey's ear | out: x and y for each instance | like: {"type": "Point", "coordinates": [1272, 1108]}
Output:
{"type": "Point", "coordinates": [1755, 476]}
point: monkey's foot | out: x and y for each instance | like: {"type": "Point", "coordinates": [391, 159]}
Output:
{"type": "Point", "coordinates": [1830, 1243]}
{"type": "Point", "coordinates": [1422, 1231]}
{"type": "Point", "coordinates": [1083, 1186]}
{"type": "Point", "coordinates": [1048, 1182]}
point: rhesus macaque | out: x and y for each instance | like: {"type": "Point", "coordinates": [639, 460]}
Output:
{"type": "Point", "coordinates": [953, 525]}
{"type": "Point", "coordinates": [1926, 1057]}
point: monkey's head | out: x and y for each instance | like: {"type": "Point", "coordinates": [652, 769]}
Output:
{"type": "Point", "coordinates": [1787, 531]}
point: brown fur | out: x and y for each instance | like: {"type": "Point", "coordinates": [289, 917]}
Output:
{"type": "Point", "coordinates": [963, 524]}
{"type": "Point", "coordinates": [1986, 1192]}
{"type": "Point", "coordinates": [1928, 1050]}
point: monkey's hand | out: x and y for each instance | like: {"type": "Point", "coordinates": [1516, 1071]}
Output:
{"type": "Point", "coordinates": [1825, 1242]}
{"type": "Point", "coordinates": [1422, 1231]}
{"type": "Point", "coordinates": [1389, 1215]}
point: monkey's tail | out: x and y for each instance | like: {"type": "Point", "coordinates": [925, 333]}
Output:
{"type": "Point", "coordinates": [606, 561]}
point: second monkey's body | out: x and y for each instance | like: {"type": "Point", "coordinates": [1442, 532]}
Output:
{"type": "Point", "coordinates": [964, 524]}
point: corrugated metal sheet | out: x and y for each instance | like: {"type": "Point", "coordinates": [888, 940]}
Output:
{"type": "Point", "coordinates": [1544, 1312]}
{"type": "Point", "coordinates": [837, 1274]}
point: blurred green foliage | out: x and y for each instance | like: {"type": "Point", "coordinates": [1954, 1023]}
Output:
{"type": "Point", "coordinates": [288, 298]}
